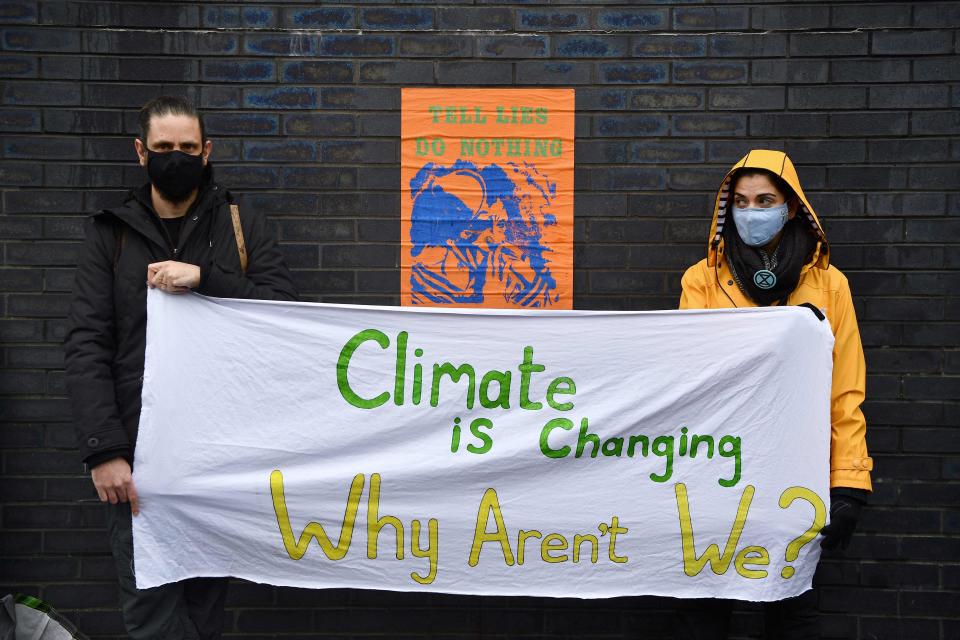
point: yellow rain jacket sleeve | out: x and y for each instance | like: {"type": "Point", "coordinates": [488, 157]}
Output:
{"type": "Point", "coordinates": [709, 284]}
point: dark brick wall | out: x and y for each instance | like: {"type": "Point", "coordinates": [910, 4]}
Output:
{"type": "Point", "coordinates": [303, 104]}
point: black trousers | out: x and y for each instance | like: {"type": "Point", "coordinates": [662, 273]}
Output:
{"type": "Point", "coordinates": [187, 610]}
{"type": "Point", "coordinates": [709, 619]}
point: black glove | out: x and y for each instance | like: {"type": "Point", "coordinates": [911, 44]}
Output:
{"type": "Point", "coordinates": [845, 504]}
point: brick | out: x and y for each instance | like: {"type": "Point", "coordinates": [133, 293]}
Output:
{"type": "Point", "coordinates": [513, 46]}
{"type": "Point", "coordinates": [934, 549]}
{"type": "Point", "coordinates": [19, 120]}
{"type": "Point", "coordinates": [632, 19]}
{"type": "Point", "coordinates": [788, 124]}
{"type": "Point", "coordinates": [280, 151]}
{"type": "Point", "coordinates": [540, 20]}
{"type": "Point", "coordinates": [828, 44]}
{"type": "Point", "coordinates": [315, 230]}
{"type": "Point", "coordinates": [882, 70]}
{"type": "Point", "coordinates": [633, 73]}
{"type": "Point", "coordinates": [44, 40]}
{"type": "Point", "coordinates": [936, 123]}
{"type": "Point", "coordinates": [281, 98]}
{"type": "Point", "coordinates": [870, 16]}
{"type": "Point", "coordinates": [377, 125]}
{"type": "Point", "coordinates": [317, 72]}
{"type": "Point", "coordinates": [18, 12]}
{"type": "Point", "coordinates": [292, 44]}
{"type": "Point", "coordinates": [248, 177]}
{"type": "Point", "coordinates": [878, 124]}
{"type": "Point", "coordinates": [587, 46]}
{"type": "Point", "coordinates": [397, 72]}
{"type": "Point", "coordinates": [935, 178]}
{"type": "Point", "coordinates": [697, 124]}
{"type": "Point", "coordinates": [117, 95]}
{"type": "Point", "coordinates": [359, 255]}
{"type": "Point", "coordinates": [356, 45]}
{"type": "Point", "coordinates": [551, 73]}
{"type": "Point", "coordinates": [908, 150]}
{"type": "Point", "coordinates": [888, 628]}
{"type": "Point", "coordinates": [436, 46]}
{"type": "Point", "coordinates": [219, 97]}
{"type": "Point", "coordinates": [377, 231]}
{"type": "Point", "coordinates": [120, 149]}
{"type": "Point", "coordinates": [237, 70]}
{"type": "Point", "coordinates": [41, 516]}
{"type": "Point", "coordinates": [656, 99]}
{"type": "Point", "coordinates": [322, 282]}
{"type": "Point", "coordinates": [382, 177]}
{"type": "Point", "coordinates": [245, 124]}
{"type": "Point", "coordinates": [936, 69]}
{"type": "Point", "coordinates": [839, 151]}
{"type": "Point", "coordinates": [790, 71]}
{"type": "Point", "coordinates": [319, 178]}
{"type": "Point", "coordinates": [361, 98]}
{"type": "Point", "coordinates": [933, 15]}
{"type": "Point", "coordinates": [827, 97]}
{"type": "Point", "coordinates": [627, 179]}
{"type": "Point", "coordinates": [909, 204]}
{"type": "Point", "coordinates": [625, 282]}
{"type": "Point", "coordinates": [657, 152]}
{"type": "Point", "coordinates": [85, 121]}
{"type": "Point", "coordinates": [41, 568]}
{"type": "Point", "coordinates": [234, 17]}
{"type": "Point", "coordinates": [18, 66]}
{"type": "Point", "coordinates": [45, 93]}
{"type": "Point", "coordinates": [790, 17]}
{"type": "Point", "coordinates": [748, 45]}
{"type": "Point", "coordinates": [27, 227]}
{"type": "Point", "coordinates": [685, 179]}
{"type": "Point", "coordinates": [403, 19]}
{"type": "Point", "coordinates": [84, 595]}
{"type": "Point", "coordinates": [151, 15]}
{"type": "Point", "coordinates": [600, 257]}
{"type": "Point", "coordinates": [479, 19]}
{"type": "Point", "coordinates": [199, 43]}
{"type": "Point", "coordinates": [747, 98]}
{"type": "Point", "coordinates": [709, 72]}
{"type": "Point", "coordinates": [35, 201]}
{"type": "Point", "coordinates": [607, 99]}
{"type": "Point", "coordinates": [474, 73]}
{"type": "Point", "coordinates": [21, 330]}
{"type": "Point", "coordinates": [912, 42]}
{"type": "Point", "coordinates": [620, 231]}
{"type": "Point", "coordinates": [852, 177]}
{"type": "Point", "coordinates": [710, 18]}
{"type": "Point", "coordinates": [319, 18]}
{"type": "Point", "coordinates": [669, 45]}
{"type": "Point", "coordinates": [73, 67]}
{"type": "Point", "coordinates": [630, 125]}
{"type": "Point", "coordinates": [360, 152]}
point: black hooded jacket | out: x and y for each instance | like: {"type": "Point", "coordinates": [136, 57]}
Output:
{"type": "Point", "coordinates": [106, 334]}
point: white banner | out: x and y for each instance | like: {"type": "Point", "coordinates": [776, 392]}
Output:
{"type": "Point", "coordinates": [564, 453]}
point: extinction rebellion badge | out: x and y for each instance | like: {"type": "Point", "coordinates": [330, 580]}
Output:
{"type": "Point", "coordinates": [765, 279]}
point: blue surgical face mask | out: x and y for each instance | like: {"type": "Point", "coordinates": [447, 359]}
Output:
{"type": "Point", "coordinates": [757, 225]}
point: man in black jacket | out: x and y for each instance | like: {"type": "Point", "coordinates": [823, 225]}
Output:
{"type": "Point", "coordinates": [178, 233]}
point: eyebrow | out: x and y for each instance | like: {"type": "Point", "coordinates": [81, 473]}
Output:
{"type": "Point", "coordinates": [743, 195]}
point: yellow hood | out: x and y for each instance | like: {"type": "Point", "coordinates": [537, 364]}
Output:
{"type": "Point", "coordinates": [778, 163]}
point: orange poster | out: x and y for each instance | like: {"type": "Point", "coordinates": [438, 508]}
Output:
{"type": "Point", "coordinates": [487, 198]}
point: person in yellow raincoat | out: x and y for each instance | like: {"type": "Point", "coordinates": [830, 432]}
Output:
{"type": "Point", "coordinates": [766, 247]}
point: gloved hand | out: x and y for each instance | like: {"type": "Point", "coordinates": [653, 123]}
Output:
{"type": "Point", "coordinates": [845, 504]}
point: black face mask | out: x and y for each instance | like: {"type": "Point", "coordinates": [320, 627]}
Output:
{"type": "Point", "coordinates": [175, 174]}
